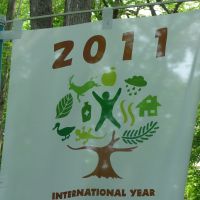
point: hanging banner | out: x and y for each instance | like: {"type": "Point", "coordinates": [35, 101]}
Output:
{"type": "Point", "coordinates": [99, 113]}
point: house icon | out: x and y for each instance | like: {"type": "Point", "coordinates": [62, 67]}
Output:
{"type": "Point", "coordinates": [148, 105]}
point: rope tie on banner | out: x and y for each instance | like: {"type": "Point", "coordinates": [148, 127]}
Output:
{"type": "Point", "coordinates": [107, 16]}
{"type": "Point", "coordinates": [15, 33]}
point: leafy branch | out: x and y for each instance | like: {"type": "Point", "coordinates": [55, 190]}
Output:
{"type": "Point", "coordinates": [136, 136]}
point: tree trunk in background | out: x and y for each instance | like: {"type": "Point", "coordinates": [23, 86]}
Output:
{"type": "Point", "coordinates": [116, 11]}
{"type": "Point", "coordinates": [10, 12]}
{"type": "Point", "coordinates": [75, 5]}
{"type": "Point", "coordinates": [38, 8]}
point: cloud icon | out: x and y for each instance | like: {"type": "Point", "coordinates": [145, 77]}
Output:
{"type": "Point", "coordinates": [137, 81]}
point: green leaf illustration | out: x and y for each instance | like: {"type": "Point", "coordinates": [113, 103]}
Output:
{"type": "Point", "coordinates": [64, 106]}
{"type": "Point", "coordinates": [141, 134]}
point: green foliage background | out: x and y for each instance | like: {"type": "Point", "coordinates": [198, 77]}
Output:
{"type": "Point", "coordinates": [192, 190]}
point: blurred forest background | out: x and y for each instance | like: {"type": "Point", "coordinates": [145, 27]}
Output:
{"type": "Point", "coordinates": [29, 8]}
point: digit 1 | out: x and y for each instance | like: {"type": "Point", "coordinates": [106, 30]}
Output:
{"type": "Point", "coordinates": [100, 51]}
{"type": "Point", "coordinates": [161, 34]}
{"type": "Point", "coordinates": [129, 39]}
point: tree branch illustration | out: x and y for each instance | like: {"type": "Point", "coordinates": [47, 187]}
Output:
{"type": "Point", "coordinates": [113, 140]}
{"type": "Point", "coordinates": [104, 167]}
{"type": "Point", "coordinates": [123, 149]}
{"type": "Point", "coordinates": [83, 147]}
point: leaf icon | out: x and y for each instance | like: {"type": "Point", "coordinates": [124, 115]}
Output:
{"type": "Point", "coordinates": [141, 134]}
{"type": "Point", "coordinates": [64, 106]}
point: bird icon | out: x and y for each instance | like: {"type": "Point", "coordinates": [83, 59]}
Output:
{"type": "Point", "coordinates": [65, 132]}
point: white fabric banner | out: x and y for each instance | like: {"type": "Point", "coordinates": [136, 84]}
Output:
{"type": "Point", "coordinates": [99, 113]}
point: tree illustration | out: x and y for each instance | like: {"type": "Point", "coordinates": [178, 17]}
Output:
{"type": "Point", "coordinates": [132, 137]}
{"type": "Point", "coordinates": [104, 167]}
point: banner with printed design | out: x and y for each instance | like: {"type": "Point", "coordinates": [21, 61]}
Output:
{"type": "Point", "coordinates": [99, 113]}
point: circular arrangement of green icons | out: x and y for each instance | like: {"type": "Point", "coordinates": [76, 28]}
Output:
{"type": "Point", "coordinates": [86, 96]}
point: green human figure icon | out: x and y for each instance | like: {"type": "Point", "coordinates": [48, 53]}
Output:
{"type": "Point", "coordinates": [107, 106]}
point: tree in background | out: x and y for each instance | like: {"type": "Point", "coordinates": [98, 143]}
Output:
{"type": "Point", "coordinates": [46, 7]}
{"type": "Point", "coordinates": [74, 5]}
{"type": "Point", "coordinates": [192, 191]}
{"type": "Point", "coordinates": [38, 8]}
{"type": "Point", "coordinates": [10, 12]}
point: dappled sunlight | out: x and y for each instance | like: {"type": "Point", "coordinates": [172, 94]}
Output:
{"type": "Point", "coordinates": [183, 68]}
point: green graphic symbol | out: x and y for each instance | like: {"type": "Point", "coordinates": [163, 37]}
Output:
{"type": "Point", "coordinates": [86, 112]}
{"type": "Point", "coordinates": [109, 78]}
{"type": "Point", "coordinates": [86, 135]}
{"type": "Point", "coordinates": [135, 84]}
{"type": "Point", "coordinates": [81, 90]}
{"type": "Point", "coordinates": [87, 138]}
{"type": "Point", "coordinates": [65, 132]}
{"type": "Point", "coordinates": [149, 105]}
{"type": "Point", "coordinates": [141, 134]}
{"type": "Point", "coordinates": [64, 106]}
{"type": "Point", "coordinates": [107, 106]}
{"type": "Point", "coordinates": [123, 111]}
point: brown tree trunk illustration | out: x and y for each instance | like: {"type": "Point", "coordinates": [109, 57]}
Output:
{"type": "Point", "coordinates": [104, 167]}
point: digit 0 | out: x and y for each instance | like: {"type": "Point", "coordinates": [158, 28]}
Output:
{"type": "Point", "coordinates": [100, 51]}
